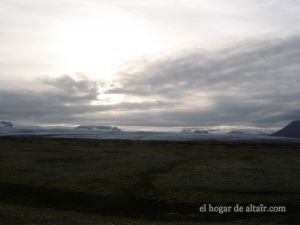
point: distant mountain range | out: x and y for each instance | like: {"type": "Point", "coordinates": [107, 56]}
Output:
{"type": "Point", "coordinates": [292, 130]}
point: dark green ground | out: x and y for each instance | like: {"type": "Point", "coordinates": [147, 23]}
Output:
{"type": "Point", "coordinates": [47, 181]}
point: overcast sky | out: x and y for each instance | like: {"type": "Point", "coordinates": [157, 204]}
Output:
{"type": "Point", "coordinates": [150, 63]}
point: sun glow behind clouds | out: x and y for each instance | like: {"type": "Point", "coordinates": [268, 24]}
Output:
{"type": "Point", "coordinates": [96, 44]}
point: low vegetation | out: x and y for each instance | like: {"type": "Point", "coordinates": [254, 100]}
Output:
{"type": "Point", "coordinates": [55, 181]}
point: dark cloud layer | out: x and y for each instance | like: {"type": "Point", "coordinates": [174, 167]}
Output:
{"type": "Point", "coordinates": [61, 100]}
{"type": "Point", "coordinates": [252, 83]}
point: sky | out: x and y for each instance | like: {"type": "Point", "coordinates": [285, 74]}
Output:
{"type": "Point", "coordinates": [150, 63]}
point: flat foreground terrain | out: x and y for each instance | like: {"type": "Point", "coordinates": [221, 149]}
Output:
{"type": "Point", "coordinates": [83, 182]}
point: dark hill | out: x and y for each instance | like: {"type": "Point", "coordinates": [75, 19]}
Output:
{"type": "Point", "coordinates": [6, 124]}
{"type": "Point", "coordinates": [292, 130]}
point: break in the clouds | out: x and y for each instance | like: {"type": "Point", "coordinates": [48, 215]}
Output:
{"type": "Point", "coordinates": [250, 83]}
{"type": "Point", "coordinates": [62, 100]}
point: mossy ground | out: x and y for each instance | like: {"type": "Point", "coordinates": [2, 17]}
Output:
{"type": "Point", "coordinates": [51, 181]}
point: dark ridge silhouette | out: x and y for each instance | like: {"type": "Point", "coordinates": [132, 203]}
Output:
{"type": "Point", "coordinates": [195, 131]}
{"type": "Point", "coordinates": [292, 130]}
{"type": "Point", "coordinates": [6, 124]}
{"type": "Point", "coordinates": [236, 132]}
{"type": "Point", "coordinates": [103, 128]}
{"type": "Point", "coordinates": [201, 132]}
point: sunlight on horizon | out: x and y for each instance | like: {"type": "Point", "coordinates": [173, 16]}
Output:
{"type": "Point", "coordinates": [97, 44]}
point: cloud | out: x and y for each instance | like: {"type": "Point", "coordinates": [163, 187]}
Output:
{"type": "Point", "coordinates": [250, 83]}
{"type": "Point", "coordinates": [62, 100]}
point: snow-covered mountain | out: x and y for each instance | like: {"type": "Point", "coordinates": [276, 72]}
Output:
{"type": "Point", "coordinates": [99, 128]}
{"type": "Point", "coordinates": [112, 132]}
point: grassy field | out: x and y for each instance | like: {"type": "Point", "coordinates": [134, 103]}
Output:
{"type": "Point", "coordinates": [82, 182]}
